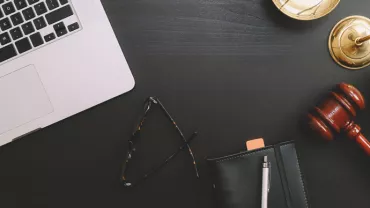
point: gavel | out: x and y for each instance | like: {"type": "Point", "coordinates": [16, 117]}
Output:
{"type": "Point", "coordinates": [335, 115]}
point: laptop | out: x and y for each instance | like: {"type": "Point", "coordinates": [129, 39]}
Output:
{"type": "Point", "coordinates": [57, 58]}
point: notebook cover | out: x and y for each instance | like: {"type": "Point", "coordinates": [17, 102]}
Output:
{"type": "Point", "coordinates": [238, 178]}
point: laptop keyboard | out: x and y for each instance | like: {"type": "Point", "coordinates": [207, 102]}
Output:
{"type": "Point", "coordinates": [30, 24]}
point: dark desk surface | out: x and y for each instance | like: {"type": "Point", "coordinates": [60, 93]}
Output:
{"type": "Point", "coordinates": [233, 69]}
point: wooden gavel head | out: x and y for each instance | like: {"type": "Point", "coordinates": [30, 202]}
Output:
{"type": "Point", "coordinates": [336, 113]}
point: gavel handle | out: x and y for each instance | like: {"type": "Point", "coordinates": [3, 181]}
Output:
{"type": "Point", "coordinates": [364, 143]}
{"type": "Point", "coordinates": [354, 132]}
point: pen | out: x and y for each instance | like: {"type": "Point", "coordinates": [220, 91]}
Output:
{"type": "Point", "coordinates": [266, 168]}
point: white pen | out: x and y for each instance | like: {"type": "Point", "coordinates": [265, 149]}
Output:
{"type": "Point", "coordinates": [266, 168]}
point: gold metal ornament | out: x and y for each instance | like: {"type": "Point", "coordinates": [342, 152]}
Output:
{"type": "Point", "coordinates": [349, 43]}
{"type": "Point", "coordinates": [306, 9]}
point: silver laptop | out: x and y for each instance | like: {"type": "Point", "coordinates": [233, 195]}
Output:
{"type": "Point", "coordinates": [57, 58]}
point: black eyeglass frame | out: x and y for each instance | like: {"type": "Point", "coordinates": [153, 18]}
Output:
{"type": "Point", "coordinates": [136, 134]}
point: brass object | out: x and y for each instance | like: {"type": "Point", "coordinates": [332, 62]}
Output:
{"type": "Point", "coordinates": [348, 42]}
{"type": "Point", "coordinates": [306, 9]}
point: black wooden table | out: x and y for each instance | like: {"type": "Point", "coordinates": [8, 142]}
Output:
{"type": "Point", "coordinates": [233, 70]}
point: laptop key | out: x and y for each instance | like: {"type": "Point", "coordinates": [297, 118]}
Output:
{"type": "Point", "coordinates": [52, 4]}
{"type": "Point", "coordinates": [59, 14]}
{"type": "Point", "coordinates": [5, 38]}
{"type": "Point", "coordinates": [73, 27]}
{"type": "Point", "coordinates": [60, 29]}
{"type": "Point", "coordinates": [23, 45]}
{"type": "Point", "coordinates": [32, 1]}
{"type": "Point", "coordinates": [28, 13]}
{"type": "Point", "coordinates": [16, 33]}
{"type": "Point", "coordinates": [36, 39]}
{"type": "Point", "coordinates": [49, 37]}
{"type": "Point", "coordinates": [39, 23]}
{"type": "Point", "coordinates": [62, 2]}
{"type": "Point", "coordinates": [40, 8]}
{"type": "Point", "coordinates": [8, 8]}
{"type": "Point", "coordinates": [7, 52]}
{"type": "Point", "coordinates": [5, 24]}
{"type": "Point", "coordinates": [20, 4]}
{"type": "Point", "coordinates": [16, 19]}
{"type": "Point", "coordinates": [28, 28]}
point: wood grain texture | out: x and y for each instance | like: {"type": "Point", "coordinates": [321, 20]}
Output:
{"type": "Point", "coordinates": [208, 27]}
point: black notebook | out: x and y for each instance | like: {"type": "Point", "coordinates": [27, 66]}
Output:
{"type": "Point", "coordinates": [238, 178]}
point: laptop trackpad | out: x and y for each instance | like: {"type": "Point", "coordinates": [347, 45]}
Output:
{"type": "Point", "coordinates": [22, 98]}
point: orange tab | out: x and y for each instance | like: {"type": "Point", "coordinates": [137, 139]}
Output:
{"type": "Point", "coordinates": [255, 144]}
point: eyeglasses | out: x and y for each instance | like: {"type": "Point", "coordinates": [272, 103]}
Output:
{"type": "Point", "coordinates": [132, 142]}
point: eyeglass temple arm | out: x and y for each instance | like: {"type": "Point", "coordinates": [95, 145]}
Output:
{"type": "Point", "coordinates": [168, 159]}
{"type": "Point", "coordinates": [155, 169]}
{"type": "Point", "coordinates": [148, 102]}
{"type": "Point", "coordinates": [180, 132]}
{"type": "Point", "coordinates": [124, 169]}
